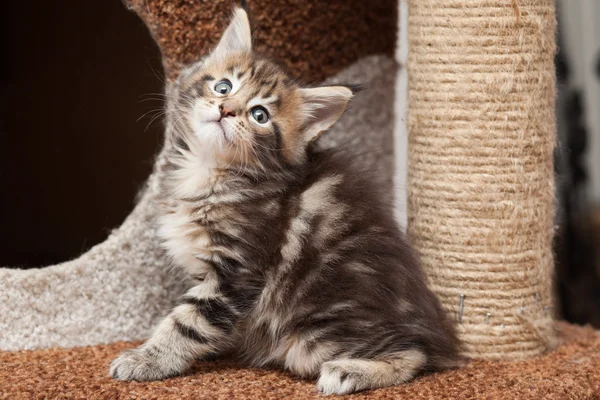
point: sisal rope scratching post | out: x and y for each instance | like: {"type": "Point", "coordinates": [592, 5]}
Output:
{"type": "Point", "coordinates": [480, 178]}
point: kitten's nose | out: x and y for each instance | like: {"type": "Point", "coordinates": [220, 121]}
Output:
{"type": "Point", "coordinates": [226, 111]}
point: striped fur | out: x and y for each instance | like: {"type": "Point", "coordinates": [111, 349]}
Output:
{"type": "Point", "coordinates": [295, 261]}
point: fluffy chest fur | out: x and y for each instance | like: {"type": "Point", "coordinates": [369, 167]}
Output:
{"type": "Point", "coordinates": [215, 230]}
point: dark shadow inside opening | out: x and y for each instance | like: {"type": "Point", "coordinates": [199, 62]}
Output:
{"type": "Point", "coordinates": [74, 78]}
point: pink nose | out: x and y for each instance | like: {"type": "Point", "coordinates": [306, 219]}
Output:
{"type": "Point", "coordinates": [226, 111]}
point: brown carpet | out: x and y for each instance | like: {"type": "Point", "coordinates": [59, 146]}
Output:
{"type": "Point", "coordinates": [572, 371]}
{"type": "Point", "coordinates": [313, 39]}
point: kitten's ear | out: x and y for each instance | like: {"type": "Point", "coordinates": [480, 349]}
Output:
{"type": "Point", "coordinates": [237, 37]}
{"type": "Point", "coordinates": [323, 106]}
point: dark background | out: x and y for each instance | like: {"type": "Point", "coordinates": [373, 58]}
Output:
{"type": "Point", "coordinates": [72, 154]}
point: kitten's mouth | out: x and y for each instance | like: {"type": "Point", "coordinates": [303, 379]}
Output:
{"type": "Point", "coordinates": [222, 129]}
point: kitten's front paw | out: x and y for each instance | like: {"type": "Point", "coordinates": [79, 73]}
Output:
{"type": "Point", "coordinates": [134, 365]}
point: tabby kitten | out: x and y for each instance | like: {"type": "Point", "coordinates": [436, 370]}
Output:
{"type": "Point", "coordinates": [295, 261]}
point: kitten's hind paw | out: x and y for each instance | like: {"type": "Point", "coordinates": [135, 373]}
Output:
{"type": "Point", "coordinates": [352, 375]}
{"type": "Point", "coordinates": [134, 365]}
{"type": "Point", "coordinates": [336, 380]}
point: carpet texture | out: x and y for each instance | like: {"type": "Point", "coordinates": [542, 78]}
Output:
{"type": "Point", "coordinates": [311, 39]}
{"type": "Point", "coordinates": [572, 371]}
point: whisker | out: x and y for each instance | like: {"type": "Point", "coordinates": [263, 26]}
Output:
{"type": "Point", "coordinates": [158, 115]}
{"type": "Point", "coordinates": [159, 110]}
{"type": "Point", "coordinates": [160, 78]}
{"type": "Point", "coordinates": [151, 99]}
{"type": "Point", "coordinates": [164, 95]}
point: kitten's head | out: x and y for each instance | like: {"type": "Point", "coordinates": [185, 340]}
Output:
{"type": "Point", "coordinates": [241, 108]}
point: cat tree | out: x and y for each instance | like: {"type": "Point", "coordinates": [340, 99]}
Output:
{"type": "Point", "coordinates": [480, 202]}
{"type": "Point", "coordinates": [481, 135]}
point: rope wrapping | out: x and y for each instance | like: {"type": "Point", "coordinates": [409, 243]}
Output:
{"type": "Point", "coordinates": [481, 132]}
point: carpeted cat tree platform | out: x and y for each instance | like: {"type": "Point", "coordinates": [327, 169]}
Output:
{"type": "Point", "coordinates": [480, 135]}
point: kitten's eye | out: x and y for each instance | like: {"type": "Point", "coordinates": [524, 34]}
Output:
{"type": "Point", "coordinates": [223, 87]}
{"type": "Point", "coordinates": [259, 114]}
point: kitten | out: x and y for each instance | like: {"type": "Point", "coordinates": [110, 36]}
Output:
{"type": "Point", "coordinates": [295, 261]}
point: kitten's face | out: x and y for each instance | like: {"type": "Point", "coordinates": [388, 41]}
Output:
{"type": "Point", "coordinates": [244, 109]}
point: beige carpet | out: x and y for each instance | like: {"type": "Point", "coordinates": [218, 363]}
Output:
{"type": "Point", "coordinates": [572, 371]}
